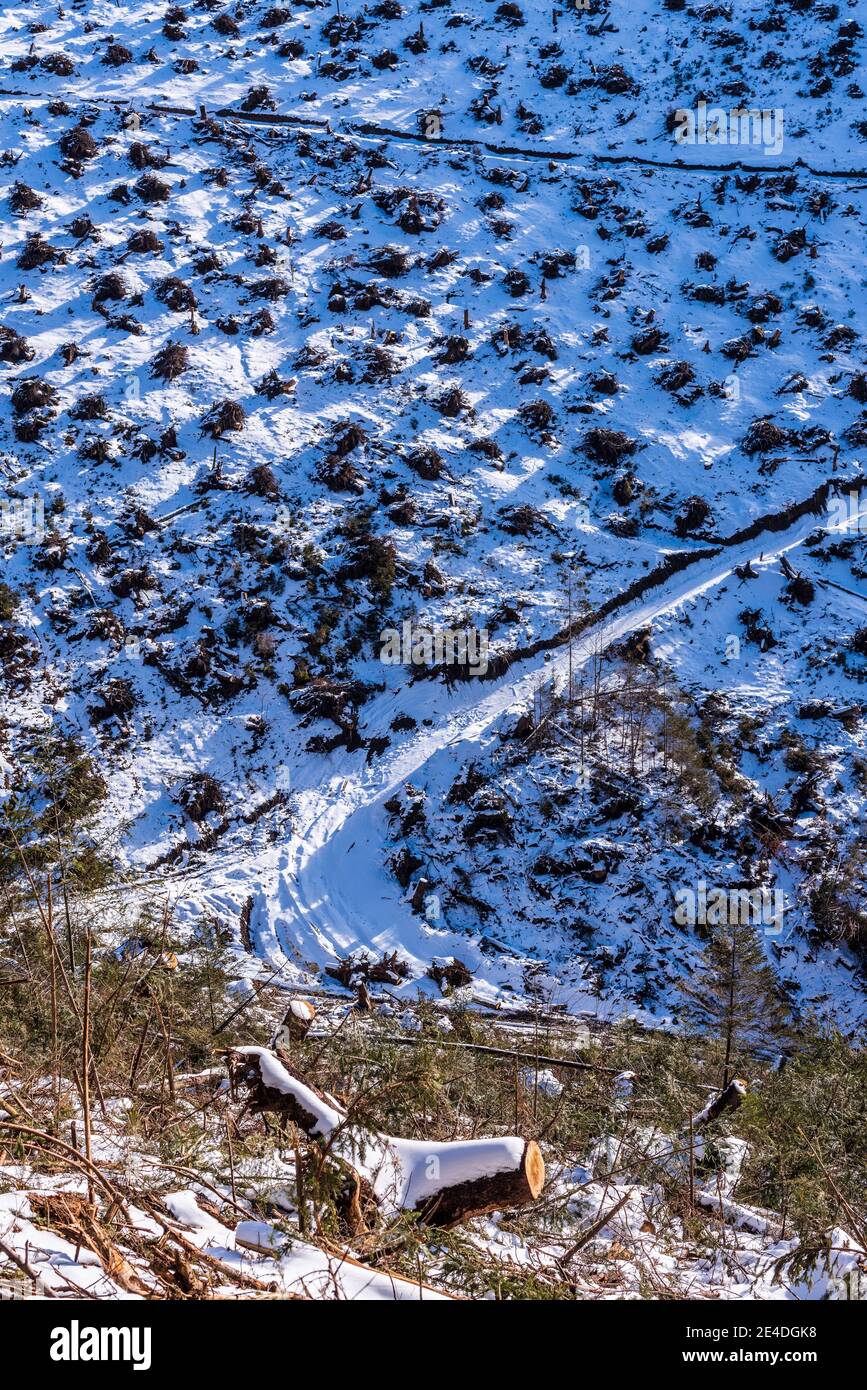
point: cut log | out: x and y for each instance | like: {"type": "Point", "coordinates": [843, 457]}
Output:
{"type": "Point", "coordinates": [512, 1187]}
{"type": "Point", "coordinates": [444, 1183]}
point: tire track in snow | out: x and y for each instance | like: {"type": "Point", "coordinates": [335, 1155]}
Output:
{"type": "Point", "coordinates": [332, 889]}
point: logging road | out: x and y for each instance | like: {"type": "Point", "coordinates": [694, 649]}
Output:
{"type": "Point", "coordinates": [334, 895]}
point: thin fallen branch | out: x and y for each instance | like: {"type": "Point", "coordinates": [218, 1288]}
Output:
{"type": "Point", "coordinates": [25, 1269]}
{"type": "Point", "coordinates": [594, 1228]}
{"type": "Point", "coordinates": [512, 1053]}
{"type": "Point", "coordinates": [40, 1138]}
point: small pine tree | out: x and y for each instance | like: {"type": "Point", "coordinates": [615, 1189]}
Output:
{"type": "Point", "coordinates": [734, 994]}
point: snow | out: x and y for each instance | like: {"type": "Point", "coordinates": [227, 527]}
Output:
{"type": "Point", "coordinates": [185, 1209]}
{"type": "Point", "coordinates": [638, 1241]}
{"type": "Point", "coordinates": [59, 1265]}
{"type": "Point", "coordinates": [295, 1265]}
{"type": "Point", "coordinates": [544, 1081]}
{"type": "Point", "coordinates": [521, 169]}
{"type": "Point", "coordinates": [623, 1086]}
{"type": "Point", "coordinates": [319, 883]}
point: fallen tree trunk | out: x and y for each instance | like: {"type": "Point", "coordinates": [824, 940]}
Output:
{"type": "Point", "coordinates": [444, 1183]}
{"type": "Point", "coordinates": [728, 1099]}
{"type": "Point", "coordinates": [513, 1186]}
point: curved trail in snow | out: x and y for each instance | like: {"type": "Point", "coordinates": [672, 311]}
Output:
{"type": "Point", "coordinates": [327, 892]}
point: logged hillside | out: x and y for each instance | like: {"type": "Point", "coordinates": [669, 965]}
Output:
{"type": "Point", "coordinates": [332, 327]}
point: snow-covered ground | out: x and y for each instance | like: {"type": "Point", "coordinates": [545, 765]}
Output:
{"type": "Point", "coordinates": [274, 388]}
{"type": "Point", "coordinates": [632, 1243]}
{"type": "Point", "coordinates": [594, 80]}
{"type": "Point", "coordinates": [213, 602]}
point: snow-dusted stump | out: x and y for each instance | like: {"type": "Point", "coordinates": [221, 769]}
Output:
{"type": "Point", "coordinates": [444, 1183]}
{"type": "Point", "coordinates": [295, 1024]}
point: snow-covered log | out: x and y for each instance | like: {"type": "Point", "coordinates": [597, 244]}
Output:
{"type": "Point", "coordinates": [728, 1099]}
{"type": "Point", "coordinates": [445, 1183]}
{"type": "Point", "coordinates": [736, 1214]}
